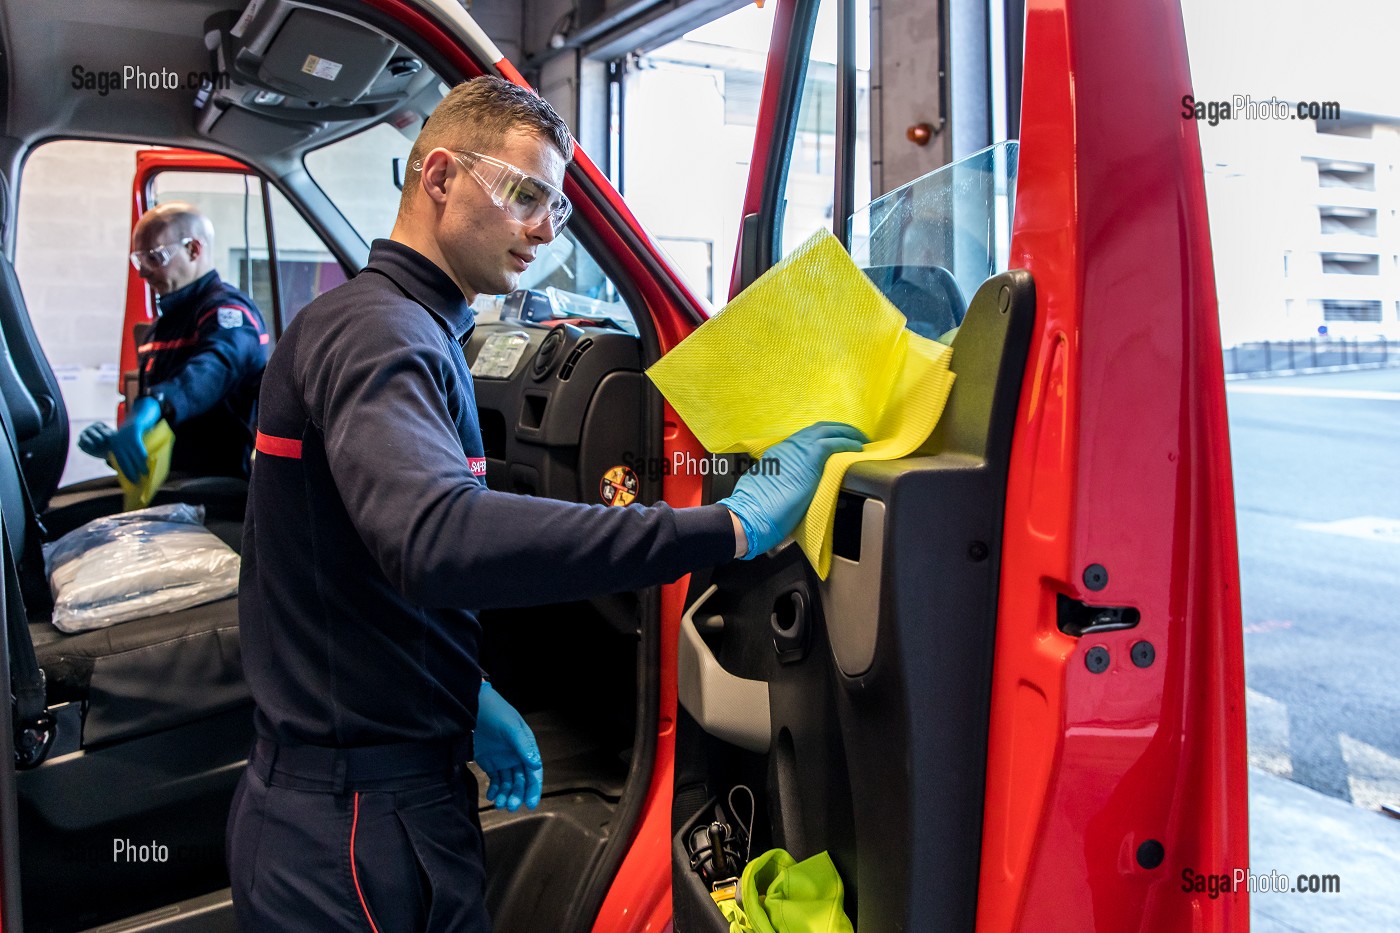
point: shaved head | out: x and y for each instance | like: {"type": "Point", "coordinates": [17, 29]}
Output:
{"type": "Point", "coordinates": [180, 219]}
{"type": "Point", "coordinates": [187, 239]}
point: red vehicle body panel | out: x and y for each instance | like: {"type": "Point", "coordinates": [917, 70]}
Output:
{"type": "Point", "coordinates": [1120, 458]}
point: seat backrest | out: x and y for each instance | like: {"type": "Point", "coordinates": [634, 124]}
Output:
{"type": "Point", "coordinates": [43, 449]}
{"type": "Point", "coordinates": [12, 491]}
{"type": "Point", "coordinates": [19, 404]}
{"type": "Point", "coordinates": [928, 296]}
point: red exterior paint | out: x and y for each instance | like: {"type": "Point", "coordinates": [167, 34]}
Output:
{"type": "Point", "coordinates": [1121, 457]}
{"type": "Point", "coordinates": [140, 309]}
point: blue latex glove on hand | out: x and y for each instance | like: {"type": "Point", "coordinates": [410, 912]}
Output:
{"type": "Point", "coordinates": [505, 749]}
{"type": "Point", "coordinates": [96, 440]}
{"type": "Point", "coordinates": [770, 506]}
{"type": "Point", "coordinates": [128, 444]}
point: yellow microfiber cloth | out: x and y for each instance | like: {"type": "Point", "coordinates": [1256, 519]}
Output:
{"type": "Point", "coordinates": [811, 340]}
{"type": "Point", "coordinates": [160, 442]}
{"type": "Point", "coordinates": [783, 895]}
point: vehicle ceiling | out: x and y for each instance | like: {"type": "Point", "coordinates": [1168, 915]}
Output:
{"type": "Point", "coordinates": [45, 41]}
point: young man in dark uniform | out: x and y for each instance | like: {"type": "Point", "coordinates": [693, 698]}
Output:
{"type": "Point", "coordinates": [200, 365]}
{"type": "Point", "coordinates": [371, 538]}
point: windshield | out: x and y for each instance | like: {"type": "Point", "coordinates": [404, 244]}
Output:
{"type": "Point", "coordinates": [929, 244]}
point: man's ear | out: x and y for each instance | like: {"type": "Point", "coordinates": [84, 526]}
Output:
{"type": "Point", "coordinates": [196, 249]}
{"type": "Point", "coordinates": [433, 179]}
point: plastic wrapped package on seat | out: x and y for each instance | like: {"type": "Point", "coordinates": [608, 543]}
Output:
{"type": "Point", "coordinates": [136, 565]}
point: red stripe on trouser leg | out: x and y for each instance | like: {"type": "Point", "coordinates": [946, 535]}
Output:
{"type": "Point", "coordinates": [278, 446]}
{"type": "Point", "coordinates": [354, 873]}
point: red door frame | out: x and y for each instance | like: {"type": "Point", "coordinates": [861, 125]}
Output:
{"type": "Point", "coordinates": [1102, 788]}
{"type": "Point", "coordinates": [140, 306]}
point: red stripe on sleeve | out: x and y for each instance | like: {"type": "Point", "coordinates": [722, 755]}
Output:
{"type": "Point", "coordinates": [278, 446]}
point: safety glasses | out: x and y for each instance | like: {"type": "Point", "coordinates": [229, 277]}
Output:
{"type": "Point", "coordinates": [158, 257]}
{"type": "Point", "coordinates": [523, 196]}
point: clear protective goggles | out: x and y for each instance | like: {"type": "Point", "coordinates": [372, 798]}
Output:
{"type": "Point", "coordinates": [158, 257]}
{"type": "Point", "coordinates": [521, 195]}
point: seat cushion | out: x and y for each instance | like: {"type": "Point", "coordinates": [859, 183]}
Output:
{"type": "Point", "coordinates": [147, 674]}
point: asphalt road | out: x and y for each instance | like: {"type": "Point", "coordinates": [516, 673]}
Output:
{"type": "Point", "coordinates": [1317, 487]}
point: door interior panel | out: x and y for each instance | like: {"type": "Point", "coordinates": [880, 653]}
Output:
{"type": "Point", "coordinates": [878, 678]}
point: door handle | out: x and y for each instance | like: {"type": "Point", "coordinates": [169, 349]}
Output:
{"type": "Point", "coordinates": [727, 707]}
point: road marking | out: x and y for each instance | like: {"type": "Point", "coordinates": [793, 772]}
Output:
{"type": "Point", "coordinates": [1368, 394]}
{"type": "Point", "coordinates": [1267, 625]}
{"type": "Point", "coordinates": [1366, 527]}
{"type": "Point", "coordinates": [1267, 723]}
{"type": "Point", "coordinates": [1372, 776]}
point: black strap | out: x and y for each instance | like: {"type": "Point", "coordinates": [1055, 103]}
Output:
{"type": "Point", "coordinates": [33, 725]}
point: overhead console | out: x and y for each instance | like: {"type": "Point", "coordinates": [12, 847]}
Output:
{"type": "Point", "coordinates": [560, 406]}
{"type": "Point", "coordinates": [288, 72]}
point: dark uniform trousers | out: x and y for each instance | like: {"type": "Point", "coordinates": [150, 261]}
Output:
{"type": "Point", "coordinates": [383, 839]}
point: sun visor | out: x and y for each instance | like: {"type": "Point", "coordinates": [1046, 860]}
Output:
{"type": "Point", "coordinates": [305, 54]}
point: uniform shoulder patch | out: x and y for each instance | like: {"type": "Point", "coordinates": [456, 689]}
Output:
{"type": "Point", "coordinates": [230, 316]}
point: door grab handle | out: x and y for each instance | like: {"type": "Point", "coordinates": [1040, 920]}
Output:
{"type": "Point", "coordinates": [730, 708]}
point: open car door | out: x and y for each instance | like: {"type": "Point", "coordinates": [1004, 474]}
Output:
{"type": "Point", "coordinates": [1017, 701]}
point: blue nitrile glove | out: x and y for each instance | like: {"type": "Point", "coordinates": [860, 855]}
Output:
{"type": "Point", "coordinates": [128, 444]}
{"type": "Point", "coordinates": [505, 749]}
{"type": "Point", "coordinates": [770, 506]}
{"type": "Point", "coordinates": [96, 440]}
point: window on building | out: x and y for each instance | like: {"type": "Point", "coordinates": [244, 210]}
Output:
{"type": "Point", "coordinates": [1360, 311]}
{"type": "Point", "coordinates": [1360, 129]}
{"type": "Point", "coordinates": [1352, 221]}
{"type": "Point", "coordinates": [1351, 264]}
{"type": "Point", "coordinates": [1337, 174]}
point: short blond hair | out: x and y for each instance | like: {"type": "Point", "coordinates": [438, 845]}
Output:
{"type": "Point", "coordinates": [479, 114]}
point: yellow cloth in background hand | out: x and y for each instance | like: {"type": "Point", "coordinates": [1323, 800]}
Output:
{"type": "Point", "coordinates": [160, 442]}
{"type": "Point", "coordinates": [811, 340]}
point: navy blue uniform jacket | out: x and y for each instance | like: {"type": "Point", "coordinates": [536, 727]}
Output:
{"type": "Point", "coordinates": [203, 361]}
{"type": "Point", "coordinates": [369, 532]}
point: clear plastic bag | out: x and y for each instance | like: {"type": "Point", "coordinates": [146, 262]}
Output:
{"type": "Point", "coordinates": [136, 565]}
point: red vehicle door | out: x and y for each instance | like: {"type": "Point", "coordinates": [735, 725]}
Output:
{"type": "Point", "coordinates": [1022, 706]}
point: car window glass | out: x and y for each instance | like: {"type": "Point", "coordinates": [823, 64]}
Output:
{"type": "Point", "coordinates": [808, 194]}
{"type": "Point", "coordinates": [72, 236]}
{"type": "Point", "coordinates": [689, 114]}
{"type": "Point", "coordinates": [233, 202]}
{"type": "Point", "coordinates": [562, 282]}
{"type": "Point", "coordinates": [357, 174]}
{"type": "Point", "coordinates": [929, 244]}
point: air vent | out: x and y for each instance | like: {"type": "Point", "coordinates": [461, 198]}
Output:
{"type": "Point", "coordinates": [579, 350]}
{"type": "Point", "coordinates": [550, 348]}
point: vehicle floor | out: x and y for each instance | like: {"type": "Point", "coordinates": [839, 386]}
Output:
{"type": "Point", "coordinates": [538, 861]}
